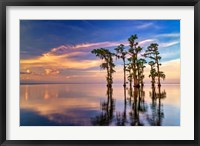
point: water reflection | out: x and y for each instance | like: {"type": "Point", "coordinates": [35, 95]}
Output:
{"type": "Point", "coordinates": [62, 105]}
{"type": "Point", "coordinates": [155, 119]}
{"type": "Point", "coordinates": [122, 117]}
{"type": "Point", "coordinates": [138, 107]}
{"type": "Point", "coordinates": [107, 107]}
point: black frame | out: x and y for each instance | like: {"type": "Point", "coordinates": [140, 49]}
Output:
{"type": "Point", "coordinates": [5, 3]}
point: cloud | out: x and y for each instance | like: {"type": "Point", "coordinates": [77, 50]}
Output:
{"type": "Point", "coordinates": [168, 35]}
{"type": "Point", "coordinates": [170, 54]}
{"type": "Point", "coordinates": [72, 63]}
{"type": "Point", "coordinates": [51, 71]}
{"type": "Point", "coordinates": [146, 41]}
{"type": "Point", "coordinates": [59, 61]}
{"type": "Point", "coordinates": [170, 68]}
{"type": "Point", "coordinates": [145, 25]}
{"type": "Point", "coordinates": [22, 72]}
{"type": "Point", "coordinates": [61, 54]}
{"type": "Point", "coordinates": [169, 44]}
{"type": "Point", "coordinates": [27, 71]}
{"type": "Point", "coordinates": [63, 49]}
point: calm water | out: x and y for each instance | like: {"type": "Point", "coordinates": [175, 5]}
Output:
{"type": "Point", "coordinates": [92, 104]}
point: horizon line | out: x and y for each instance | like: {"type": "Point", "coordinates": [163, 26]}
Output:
{"type": "Point", "coordinates": [91, 83]}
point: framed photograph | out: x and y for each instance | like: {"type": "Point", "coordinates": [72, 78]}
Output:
{"type": "Point", "coordinates": [99, 72]}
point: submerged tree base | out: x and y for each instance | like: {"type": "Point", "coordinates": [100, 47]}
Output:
{"type": "Point", "coordinates": [136, 86]}
{"type": "Point", "coordinates": [109, 85]}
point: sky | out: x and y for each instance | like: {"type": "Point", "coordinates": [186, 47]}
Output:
{"type": "Point", "coordinates": [59, 51]}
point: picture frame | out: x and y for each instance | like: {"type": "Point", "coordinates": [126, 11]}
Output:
{"type": "Point", "coordinates": [103, 3]}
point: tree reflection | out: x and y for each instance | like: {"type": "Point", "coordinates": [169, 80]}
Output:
{"type": "Point", "coordinates": [138, 107]}
{"type": "Point", "coordinates": [157, 115]}
{"type": "Point", "coordinates": [135, 110]}
{"type": "Point", "coordinates": [122, 117]}
{"type": "Point", "coordinates": [107, 107]}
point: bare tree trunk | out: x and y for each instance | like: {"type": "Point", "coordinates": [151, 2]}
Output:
{"type": "Point", "coordinates": [158, 71]}
{"type": "Point", "coordinates": [124, 73]}
{"type": "Point", "coordinates": [107, 75]}
{"type": "Point", "coordinates": [152, 78]}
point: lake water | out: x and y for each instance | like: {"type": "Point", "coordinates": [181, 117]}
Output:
{"type": "Point", "coordinates": [95, 104]}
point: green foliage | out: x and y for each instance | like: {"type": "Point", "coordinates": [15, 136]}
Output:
{"type": "Point", "coordinates": [162, 75]}
{"type": "Point", "coordinates": [109, 65]}
{"type": "Point", "coordinates": [104, 66]}
{"type": "Point", "coordinates": [121, 53]}
{"type": "Point", "coordinates": [135, 75]}
{"type": "Point", "coordinates": [141, 66]}
{"type": "Point", "coordinates": [132, 40]}
{"type": "Point", "coordinates": [153, 53]}
{"type": "Point", "coordinates": [136, 64]}
{"type": "Point", "coordinates": [101, 53]}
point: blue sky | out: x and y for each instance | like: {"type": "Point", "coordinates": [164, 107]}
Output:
{"type": "Point", "coordinates": [78, 37]}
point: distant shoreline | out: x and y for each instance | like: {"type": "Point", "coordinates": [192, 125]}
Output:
{"type": "Point", "coordinates": [91, 83]}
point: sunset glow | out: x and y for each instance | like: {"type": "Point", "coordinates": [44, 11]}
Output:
{"type": "Point", "coordinates": [61, 52]}
{"type": "Point", "coordinates": [100, 73]}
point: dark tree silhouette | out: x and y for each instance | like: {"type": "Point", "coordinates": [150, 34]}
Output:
{"type": "Point", "coordinates": [106, 55]}
{"type": "Point", "coordinates": [133, 52]}
{"type": "Point", "coordinates": [133, 71]}
{"type": "Point", "coordinates": [141, 66]}
{"type": "Point", "coordinates": [153, 73]}
{"type": "Point", "coordinates": [152, 53]}
{"type": "Point", "coordinates": [121, 53]}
